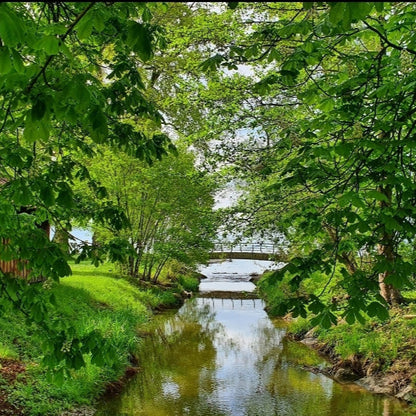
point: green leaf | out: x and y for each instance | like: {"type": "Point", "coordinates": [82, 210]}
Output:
{"type": "Point", "coordinates": [391, 223]}
{"type": "Point", "coordinates": [359, 10]}
{"type": "Point", "coordinates": [232, 4]}
{"type": "Point", "coordinates": [325, 319]}
{"type": "Point", "coordinates": [47, 195]}
{"type": "Point", "coordinates": [12, 29]}
{"type": "Point", "coordinates": [377, 309]}
{"type": "Point", "coordinates": [352, 198]}
{"type": "Point", "coordinates": [307, 5]}
{"type": "Point", "coordinates": [84, 27]}
{"type": "Point", "coordinates": [61, 268]}
{"type": "Point", "coordinates": [5, 60]}
{"type": "Point", "coordinates": [17, 62]}
{"type": "Point", "coordinates": [173, 149]}
{"type": "Point", "coordinates": [37, 312]}
{"type": "Point", "coordinates": [98, 357]}
{"type": "Point", "coordinates": [327, 105]}
{"type": "Point", "coordinates": [337, 12]}
{"type": "Point", "coordinates": [65, 198]}
{"type": "Point", "coordinates": [80, 92]}
{"type": "Point", "coordinates": [344, 149]}
{"type": "Point", "coordinates": [140, 40]}
{"type": "Point", "coordinates": [378, 196]}
{"type": "Point", "coordinates": [38, 109]}
{"type": "Point", "coordinates": [99, 131]}
{"type": "Point", "coordinates": [212, 63]}
{"type": "Point", "coordinates": [350, 317]}
{"type": "Point", "coordinates": [59, 376]}
{"type": "Point", "coordinates": [12, 289]}
{"type": "Point", "coordinates": [78, 361]}
{"type": "Point", "coordinates": [363, 227]}
{"type": "Point", "coordinates": [147, 15]}
{"type": "Point", "coordinates": [316, 306]}
{"type": "Point", "coordinates": [379, 6]}
{"type": "Point", "coordinates": [36, 129]}
{"type": "Point", "coordinates": [49, 44]}
{"type": "Point", "coordinates": [295, 282]}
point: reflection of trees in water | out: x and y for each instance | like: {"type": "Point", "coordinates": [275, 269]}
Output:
{"type": "Point", "coordinates": [181, 366]}
{"type": "Point", "coordinates": [177, 359]}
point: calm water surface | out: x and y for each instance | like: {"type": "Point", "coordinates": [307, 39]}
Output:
{"type": "Point", "coordinates": [224, 357]}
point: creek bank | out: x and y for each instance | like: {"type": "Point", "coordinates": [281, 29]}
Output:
{"type": "Point", "coordinates": [114, 387]}
{"type": "Point", "coordinates": [92, 298]}
{"type": "Point", "coordinates": [376, 354]}
{"type": "Point", "coordinates": [396, 381]}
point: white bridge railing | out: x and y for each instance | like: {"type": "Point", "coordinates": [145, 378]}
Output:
{"type": "Point", "coordinates": [267, 248]}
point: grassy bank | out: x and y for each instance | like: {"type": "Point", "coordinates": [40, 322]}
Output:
{"type": "Point", "coordinates": [92, 298]}
{"type": "Point", "coordinates": [375, 348]}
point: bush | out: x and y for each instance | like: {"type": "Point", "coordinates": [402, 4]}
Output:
{"type": "Point", "coordinates": [188, 283]}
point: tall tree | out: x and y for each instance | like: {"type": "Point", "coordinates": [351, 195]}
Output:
{"type": "Point", "coordinates": [70, 78]}
{"type": "Point", "coordinates": [168, 207]}
{"type": "Point", "coordinates": [325, 92]}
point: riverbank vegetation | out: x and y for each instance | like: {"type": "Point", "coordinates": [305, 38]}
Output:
{"type": "Point", "coordinates": [126, 117]}
{"type": "Point", "coordinates": [168, 209]}
{"type": "Point", "coordinates": [76, 91]}
{"type": "Point", "coordinates": [379, 351]}
{"type": "Point", "coordinates": [92, 299]}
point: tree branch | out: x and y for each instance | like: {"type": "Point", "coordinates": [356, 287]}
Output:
{"type": "Point", "coordinates": [64, 36]}
{"type": "Point", "coordinates": [391, 44]}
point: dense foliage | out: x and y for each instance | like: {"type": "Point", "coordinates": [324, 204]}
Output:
{"type": "Point", "coordinates": [168, 207]}
{"type": "Point", "coordinates": [312, 107]}
{"type": "Point", "coordinates": [308, 107]}
{"type": "Point", "coordinates": [72, 76]}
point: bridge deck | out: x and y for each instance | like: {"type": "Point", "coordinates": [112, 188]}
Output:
{"type": "Point", "coordinates": [241, 255]}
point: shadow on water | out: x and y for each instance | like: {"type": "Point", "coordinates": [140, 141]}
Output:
{"type": "Point", "coordinates": [225, 357]}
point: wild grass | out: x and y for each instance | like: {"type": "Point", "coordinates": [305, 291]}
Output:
{"type": "Point", "coordinates": [188, 283]}
{"type": "Point", "coordinates": [383, 342]}
{"type": "Point", "coordinates": [92, 299]}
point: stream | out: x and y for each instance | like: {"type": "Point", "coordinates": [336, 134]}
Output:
{"type": "Point", "coordinates": [223, 356]}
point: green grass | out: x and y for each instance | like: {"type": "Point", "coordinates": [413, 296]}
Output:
{"type": "Point", "coordinates": [382, 342]}
{"type": "Point", "coordinates": [386, 344]}
{"type": "Point", "coordinates": [8, 352]}
{"type": "Point", "coordinates": [92, 299]}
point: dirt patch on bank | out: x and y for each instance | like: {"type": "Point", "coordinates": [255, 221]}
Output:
{"type": "Point", "coordinates": [9, 370]}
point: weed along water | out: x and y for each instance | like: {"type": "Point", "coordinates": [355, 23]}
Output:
{"type": "Point", "coordinates": [221, 355]}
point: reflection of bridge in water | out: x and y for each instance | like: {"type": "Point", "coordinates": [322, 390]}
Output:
{"type": "Point", "coordinates": [230, 303]}
{"type": "Point", "coordinates": [249, 251]}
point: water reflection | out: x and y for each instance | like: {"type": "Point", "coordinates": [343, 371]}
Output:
{"type": "Point", "coordinates": [233, 276]}
{"type": "Point", "coordinates": [223, 357]}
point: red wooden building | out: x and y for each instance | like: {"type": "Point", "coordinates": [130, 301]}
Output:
{"type": "Point", "coordinates": [17, 267]}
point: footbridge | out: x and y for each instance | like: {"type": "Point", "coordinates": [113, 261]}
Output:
{"type": "Point", "coordinates": [247, 251]}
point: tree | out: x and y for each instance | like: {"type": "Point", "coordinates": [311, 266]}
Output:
{"type": "Point", "coordinates": [70, 78]}
{"type": "Point", "coordinates": [168, 207]}
{"type": "Point", "coordinates": [352, 168]}
{"type": "Point", "coordinates": [330, 108]}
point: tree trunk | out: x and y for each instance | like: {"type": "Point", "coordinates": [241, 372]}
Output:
{"type": "Point", "coordinates": [388, 291]}
{"type": "Point", "coordinates": [386, 250]}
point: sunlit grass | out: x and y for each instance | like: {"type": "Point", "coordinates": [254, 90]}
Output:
{"type": "Point", "coordinates": [91, 299]}
{"type": "Point", "coordinates": [6, 351]}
